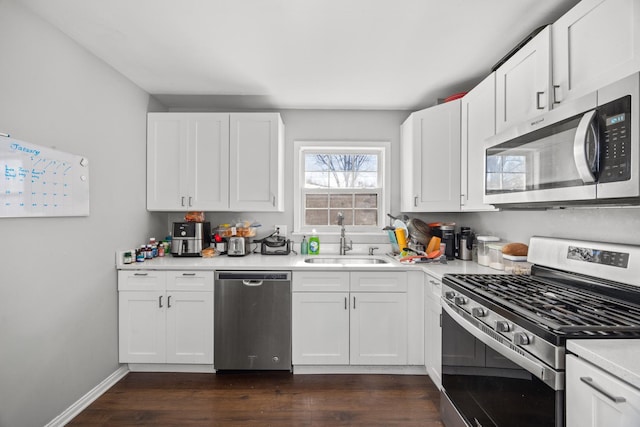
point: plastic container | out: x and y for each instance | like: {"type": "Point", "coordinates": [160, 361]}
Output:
{"type": "Point", "coordinates": [314, 244]}
{"type": "Point", "coordinates": [516, 264]}
{"type": "Point", "coordinates": [483, 248]}
{"type": "Point", "coordinates": [495, 255]}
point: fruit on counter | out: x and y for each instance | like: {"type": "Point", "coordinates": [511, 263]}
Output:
{"type": "Point", "coordinates": [516, 249]}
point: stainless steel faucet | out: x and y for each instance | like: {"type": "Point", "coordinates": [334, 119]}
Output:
{"type": "Point", "coordinates": [344, 247]}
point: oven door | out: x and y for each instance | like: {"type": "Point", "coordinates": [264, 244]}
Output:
{"type": "Point", "coordinates": [488, 389]}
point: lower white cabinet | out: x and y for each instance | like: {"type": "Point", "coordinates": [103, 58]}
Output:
{"type": "Point", "coordinates": [345, 326]}
{"type": "Point", "coordinates": [433, 329]}
{"type": "Point", "coordinates": [165, 317]}
{"type": "Point", "coordinates": [595, 398]}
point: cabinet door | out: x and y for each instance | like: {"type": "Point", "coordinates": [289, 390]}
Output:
{"type": "Point", "coordinates": [378, 329]}
{"type": "Point", "coordinates": [189, 317]}
{"type": "Point", "coordinates": [431, 148]}
{"type": "Point", "coordinates": [594, 44]}
{"type": "Point", "coordinates": [141, 326]}
{"type": "Point", "coordinates": [256, 166]}
{"type": "Point", "coordinates": [433, 329]}
{"type": "Point", "coordinates": [325, 281]}
{"type": "Point", "coordinates": [148, 280]}
{"type": "Point", "coordinates": [166, 161]}
{"type": "Point", "coordinates": [378, 281]}
{"type": "Point", "coordinates": [595, 398]}
{"type": "Point", "coordinates": [478, 124]}
{"type": "Point", "coordinates": [522, 83]}
{"type": "Point", "coordinates": [207, 162]}
{"type": "Point", "coordinates": [320, 328]}
{"type": "Point", "coordinates": [190, 281]}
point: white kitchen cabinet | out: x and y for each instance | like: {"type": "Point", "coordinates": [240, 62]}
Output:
{"type": "Point", "coordinates": [595, 398]}
{"type": "Point", "coordinates": [257, 162]}
{"type": "Point", "coordinates": [351, 326]}
{"type": "Point", "coordinates": [595, 43]}
{"type": "Point", "coordinates": [478, 124]}
{"type": "Point", "coordinates": [433, 329]}
{"type": "Point", "coordinates": [523, 81]}
{"type": "Point", "coordinates": [165, 317]}
{"type": "Point", "coordinates": [215, 162]}
{"type": "Point", "coordinates": [187, 161]}
{"type": "Point", "coordinates": [430, 153]}
{"type": "Point", "coordinates": [378, 333]}
{"type": "Point", "coordinates": [320, 328]}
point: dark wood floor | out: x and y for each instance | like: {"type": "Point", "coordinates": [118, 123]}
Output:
{"type": "Point", "coordinates": [265, 399]}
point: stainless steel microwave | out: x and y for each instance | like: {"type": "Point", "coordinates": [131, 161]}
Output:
{"type": "Point", "coordinates": [582, 153]}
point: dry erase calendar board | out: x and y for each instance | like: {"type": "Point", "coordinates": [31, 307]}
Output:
{"type": "Point", "coordinates": [41, 181]}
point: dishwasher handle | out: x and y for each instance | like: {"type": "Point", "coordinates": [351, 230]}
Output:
{"type": "Point", "coordinates": [254, 276]}
{"type": "Point", "coordinates": [252, 282]}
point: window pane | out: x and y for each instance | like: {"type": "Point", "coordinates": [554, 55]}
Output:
{"type": "Point", "coordinates": [366, 217]}
{"type": "Point", "coordinates": [341, 200]}
{"type": "Point", "coordinates": [366, 201]}
{"type": "Point", "coordinates": [316, 217]}
{"type": "Point", "coordinates": [367, 162]}
{"type": "Point", "coordinates": [348, 216]}
{"type": "Point", "coordinates": [315, 162]}
{"type": "Point", "coordinates": [366, 180]}
{"type": "Point", "coordinates": [317, 201]}
{"type": "Point", "coordinates": [316, 180]}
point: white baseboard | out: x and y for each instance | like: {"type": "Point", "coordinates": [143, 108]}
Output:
{"type": "Point", "coordinates": [161, 367]}
{"type": "Point", "coordinates": [359, 369]}
{"type": "Point", "coordinates": [72, 411]}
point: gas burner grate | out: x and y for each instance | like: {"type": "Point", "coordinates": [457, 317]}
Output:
{"type": "Point", "coordinates": [555, 306]}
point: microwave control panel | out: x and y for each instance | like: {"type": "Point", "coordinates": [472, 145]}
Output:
{"type": "Point", "coordinates": [615, 150]}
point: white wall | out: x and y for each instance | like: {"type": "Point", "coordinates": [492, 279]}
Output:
{"type": "Point", "coordinates": [58, 301]}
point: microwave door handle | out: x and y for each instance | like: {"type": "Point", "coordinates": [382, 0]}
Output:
{"type": "Point", "coordinates": [584, 130]}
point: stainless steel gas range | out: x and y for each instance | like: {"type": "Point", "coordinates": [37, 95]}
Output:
{"type": "Point", "coordinates": [504, 336]}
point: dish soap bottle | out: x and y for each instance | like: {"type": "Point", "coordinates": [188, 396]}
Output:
{"type": "Point", "coordinates": [314, 243]}
{"type": "Point", "coordinates": [304, 246]}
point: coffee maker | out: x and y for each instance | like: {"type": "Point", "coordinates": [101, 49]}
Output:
{"type": "Point", "coordinates": [464, 244]}
{"type": "Point", "coordinates": [190, 238]}
{"type": "Point", "coordinates": [447, 236]}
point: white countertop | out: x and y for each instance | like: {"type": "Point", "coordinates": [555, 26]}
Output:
{"type": "Point", "coordinates": [295, 262]}
{"type": "Point", "coordinates": [616, 356]}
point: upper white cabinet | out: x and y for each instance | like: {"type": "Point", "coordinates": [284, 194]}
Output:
{"type": "Point", "coordinates": [478, 124]}
{"type": "Point", "coordinates": [522, 83]}
{"type": "Point", "coordinates": [595, 43]}
{"type": "Point", "coordinates": [189, 157]}
{"type": "Point", "coordinates": [187, 161]}
{"type": "Point", "coordinates": [257, 162]}
{"type": "Point", "coordinates": [430, 150]}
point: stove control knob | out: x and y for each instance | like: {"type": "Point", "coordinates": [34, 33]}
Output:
{"type": "Point", "coordinates": [503, 326]}
{"type": "Point", "coordinates": [522, 338]}
{"type": "Point", "coordinates": [479, 312]}
{"type": "Point", "coordinates": [461, 300]}
{"type": "Point", "coordinates": [449, 294]}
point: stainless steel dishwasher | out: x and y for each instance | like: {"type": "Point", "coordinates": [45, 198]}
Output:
{"type": "Point", "coordinates": [252, 320]}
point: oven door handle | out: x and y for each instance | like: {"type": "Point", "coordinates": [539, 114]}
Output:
{"type": "Point", "coordinates": [545, 374]}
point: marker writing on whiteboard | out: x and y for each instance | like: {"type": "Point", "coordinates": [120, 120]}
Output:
{"type": "Point", "coordinates": [19, 147]}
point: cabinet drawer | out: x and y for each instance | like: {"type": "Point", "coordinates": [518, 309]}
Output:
{"type": "Point", "coordinates": [433, 287]}
{"type": "Point", "coordinates": [141, 280]}
{"type": "Point", "coordinates": [326, 281]}
{"type": "Point", "coordinates": [190, 280]}
{"type": "Point", "coordinates": [378, 281]}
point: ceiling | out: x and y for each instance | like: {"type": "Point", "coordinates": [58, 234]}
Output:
{"type": "Point", "coordinates": [302, 54]}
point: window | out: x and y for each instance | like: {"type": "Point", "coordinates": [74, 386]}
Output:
{"type": "Point", "coordinates": [343, 178]}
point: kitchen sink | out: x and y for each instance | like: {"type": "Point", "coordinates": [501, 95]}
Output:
{"type": "Point", "coordinates": [346, 260]}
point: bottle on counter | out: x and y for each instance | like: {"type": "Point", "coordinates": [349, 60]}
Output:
{"type": "Point", "coordinates": [140, 254]}
{"type": "Point", "coordinates": [127, 258]}
{"type": "Point", "coordinates": [314, 243]}
{"type": "Point", "coordinates": [161, 249]}
{"type": "Point", "coordinates": [304, 246]}
{"type": "Point", "coordinates": [154, 247]}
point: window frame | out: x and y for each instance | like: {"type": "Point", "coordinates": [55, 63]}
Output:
{"type": "Point", "coordinates": [381, 148]}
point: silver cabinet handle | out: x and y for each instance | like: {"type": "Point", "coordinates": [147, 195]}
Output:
{"type": "Point", "coordinates": [182, 201]}
{"type": "Point", "coordinates": [140, 274]}
{"type": "Point", "coordinates": [160, 301]}
{"type": "Point", "coordinates": [354, 302]}
{"type": "Point", "coordinates": [346, 307]}
{"type": "Point", "coordinates": [589, 381]}
{"type": "Point", "coordinates": [274, 201]}
{"type": "Point", "coordinates": [555, 94]}
{"type": "Point", "coordinates": [434, 282]}
{"type": "Point", "coordinates": [190, 204]}
{"type": "Point", "coordinates": [538, 100]}
{"type": "Point", "coordinates": [415, 201]}
{"type": "Point", "coordinates": [169, 301]}
{"type": "Point", "coordinates": [188, 274]}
